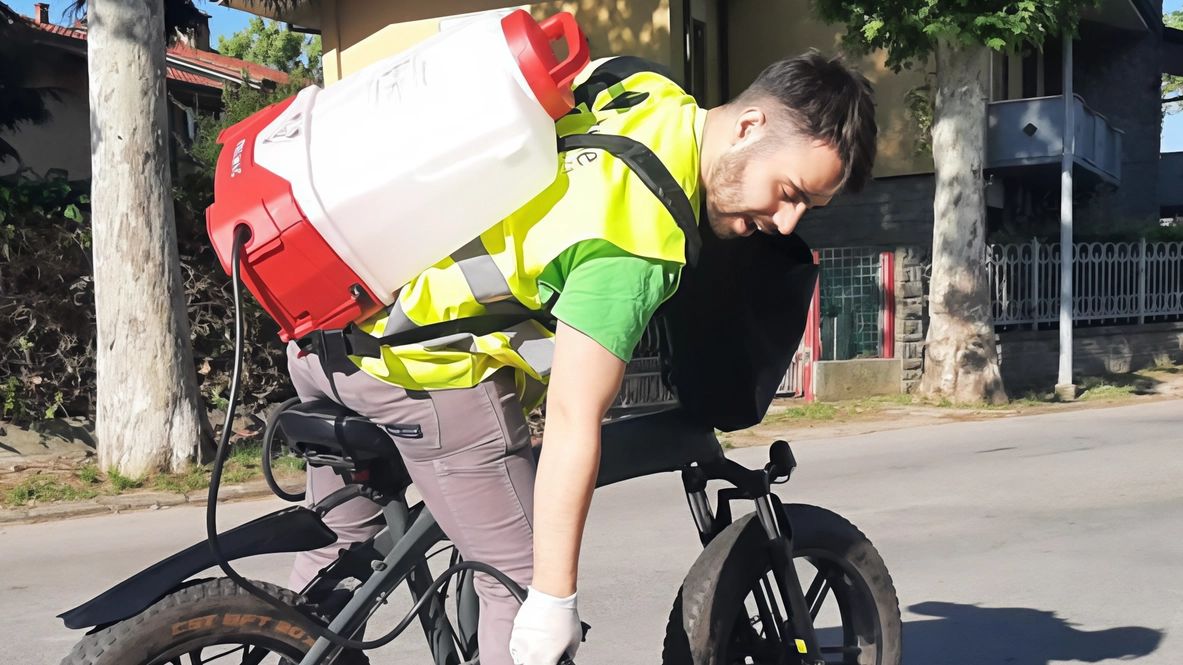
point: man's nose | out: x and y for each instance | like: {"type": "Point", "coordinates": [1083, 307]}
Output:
{"type": "Point", "coordinates": [787, 217]}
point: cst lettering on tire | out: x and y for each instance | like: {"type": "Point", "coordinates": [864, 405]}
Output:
{"type": "Point", "coordinates": [193, 618]}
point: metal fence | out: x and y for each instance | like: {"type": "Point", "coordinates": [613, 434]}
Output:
{"type": "Point", "coordinates": [642, 385]}
{"type": "Point", "coordinates": [852, 302]}
{"type": "Point", "coordinates": [1121, 282]}
{"type": "Point", "coordinates": [795, 379]}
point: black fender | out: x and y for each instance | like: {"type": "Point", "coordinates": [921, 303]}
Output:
{"type": "Point", "coordinates": [293, 529]}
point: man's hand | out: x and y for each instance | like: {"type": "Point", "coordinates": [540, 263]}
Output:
{"type": "Point", "coordinates": [544, 629]}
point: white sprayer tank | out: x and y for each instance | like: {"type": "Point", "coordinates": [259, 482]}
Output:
{"type": "Point", "coordinates": [401, 163]}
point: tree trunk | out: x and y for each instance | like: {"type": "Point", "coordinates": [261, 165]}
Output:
{"type": "Point", "coordinates": [960, 357]}
{"type": "Point", "coordinates": [150, 415]}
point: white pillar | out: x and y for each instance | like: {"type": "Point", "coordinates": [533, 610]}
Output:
{"type": "Point", "coordinates": [1064, 383]}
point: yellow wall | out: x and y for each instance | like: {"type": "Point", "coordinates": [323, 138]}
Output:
{"type": "Point", "coordinates": [356, 33]}
{"type": "Point", "coordinates": [761, 31]}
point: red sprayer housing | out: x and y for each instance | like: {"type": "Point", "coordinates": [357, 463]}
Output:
{"type": "Point", "coordinates": [301, 282]}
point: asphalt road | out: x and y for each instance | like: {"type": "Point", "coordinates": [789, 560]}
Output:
{"type": "Point", "coordinates": [1024, 541]}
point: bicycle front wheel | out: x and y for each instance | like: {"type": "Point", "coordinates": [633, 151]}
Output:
{"type": "Point", "coordinates": [729, 612]}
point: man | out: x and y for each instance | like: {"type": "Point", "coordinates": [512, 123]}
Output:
{"type": "Point", "coordinates": [601, 252]}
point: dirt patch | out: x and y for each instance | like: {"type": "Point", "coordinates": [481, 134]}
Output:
{"type": "Point", "coordinates": [792, 419]}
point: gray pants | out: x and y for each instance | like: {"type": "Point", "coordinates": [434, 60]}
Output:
{"type": "Point", "coordinates": [472, 464]}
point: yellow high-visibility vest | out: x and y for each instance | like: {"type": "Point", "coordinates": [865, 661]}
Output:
{"type": "Point", "coordinates": [595, 196]}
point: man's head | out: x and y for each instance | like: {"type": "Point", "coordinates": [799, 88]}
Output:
{"type": "Point", "coordinates": [802, 132]}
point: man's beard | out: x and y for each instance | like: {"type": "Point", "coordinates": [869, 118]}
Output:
{"type": "Point", "coordinates": [725, 189]}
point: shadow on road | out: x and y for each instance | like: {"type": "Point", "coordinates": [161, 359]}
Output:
{"type": "Point", "coordinates": [971, 635]}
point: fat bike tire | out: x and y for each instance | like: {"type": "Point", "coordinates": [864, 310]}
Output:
{"type": "Point", "coordinates": [214, 614]}
{"type": "Point", "coordinates": [711, 617]}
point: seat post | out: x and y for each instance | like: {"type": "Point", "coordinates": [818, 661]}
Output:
{"type": "Point", "coordinates": [396, 515]}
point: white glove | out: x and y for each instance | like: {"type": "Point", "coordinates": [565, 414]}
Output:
{"type": "Point", "coordinates": [544, 629]}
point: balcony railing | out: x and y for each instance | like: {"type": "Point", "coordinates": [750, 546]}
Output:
{"type": "Point", "coordinates": [1026, 132]}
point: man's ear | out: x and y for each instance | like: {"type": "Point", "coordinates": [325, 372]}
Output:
{"type": "Point", "coordinates": [749, 123]}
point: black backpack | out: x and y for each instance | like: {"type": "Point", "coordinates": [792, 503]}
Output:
{"type": "Point", "coordinates": [731, 330]}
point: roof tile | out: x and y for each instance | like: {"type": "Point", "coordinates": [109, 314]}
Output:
{"type": "Point", "coordinates": [207, 59]}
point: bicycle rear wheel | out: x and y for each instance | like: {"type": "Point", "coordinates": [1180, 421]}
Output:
{"type": "Point", "coordinates": [214, 621]}
{"type": "Point", "coordinates": [728, 611]}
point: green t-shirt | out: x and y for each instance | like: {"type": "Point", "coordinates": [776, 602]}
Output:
{"type": "Point", "coordinates": [607, 293]}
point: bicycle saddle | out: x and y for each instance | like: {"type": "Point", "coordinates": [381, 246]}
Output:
{"type": "Point", "coordinates": [328, 434]}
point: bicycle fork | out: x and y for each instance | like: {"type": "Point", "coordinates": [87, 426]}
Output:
{"type": "Point", "coordinates": [756, 486]}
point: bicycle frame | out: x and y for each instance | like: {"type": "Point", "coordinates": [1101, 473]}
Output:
{"type": "Point", "coordinates": [403, 547]}
{"type": "Point", "coordinates": [398, 553]}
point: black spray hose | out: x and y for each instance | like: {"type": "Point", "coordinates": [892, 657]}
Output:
{"type": "Point", "coordinates": [242, 234]}
{"type": "Point", "coordinates": [268, 447]}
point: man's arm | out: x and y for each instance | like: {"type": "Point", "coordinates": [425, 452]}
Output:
{"type": "Point", "coordinates": [585, 379]}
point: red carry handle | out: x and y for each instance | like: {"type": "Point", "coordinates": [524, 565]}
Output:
{"type": "Point", "coordinates": [530, 42]}
{"type": "Point", "coordinates": [563, 25]}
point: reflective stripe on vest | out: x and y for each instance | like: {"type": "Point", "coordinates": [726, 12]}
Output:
{"type": "Point", "coordinates": [490, 289]}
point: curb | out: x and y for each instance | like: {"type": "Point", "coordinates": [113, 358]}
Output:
{"type": "Point", "coordinates": [108, 505]}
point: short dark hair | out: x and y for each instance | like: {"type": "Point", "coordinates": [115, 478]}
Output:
{"type": "Point", "coordinates": [827, 101]}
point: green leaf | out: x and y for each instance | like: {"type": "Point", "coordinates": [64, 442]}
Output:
{"type": "Point", "coordinates": [909, 30]}
{"type": "Point", "coordinates": [72, 213]}
{"type": "Point", "coordinates": [871, 29]}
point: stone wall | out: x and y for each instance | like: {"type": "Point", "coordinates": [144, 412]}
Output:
{"type": "Point", "coordinates": [912, 266]}
{"type": "Point", "coordinates": [1030, 358]}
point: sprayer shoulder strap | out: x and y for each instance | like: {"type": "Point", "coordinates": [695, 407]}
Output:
{"type": "Point", "coordinates": [652, 172]}
{"type": "Point", "coordinates": [611, 75]}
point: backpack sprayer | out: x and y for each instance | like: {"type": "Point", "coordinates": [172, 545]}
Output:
{"type": "Point", "coordinates": [351, 191]}
{"type": "Point", "coordinates": [302, 211]}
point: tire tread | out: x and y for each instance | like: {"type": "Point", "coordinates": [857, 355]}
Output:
{"type": "Point", "coordinates": [689, 637]}
{"type": "Point", "coordinates": [91, 649]}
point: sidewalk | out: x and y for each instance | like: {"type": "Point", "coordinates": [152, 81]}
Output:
{"type": "Point", "coordinates": [794, 420]}
{"type": "Point", "coordinates": [63, 449]}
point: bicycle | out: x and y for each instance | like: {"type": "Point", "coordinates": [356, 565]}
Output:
{"type": "Point", "coordinates": [742, 600]}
